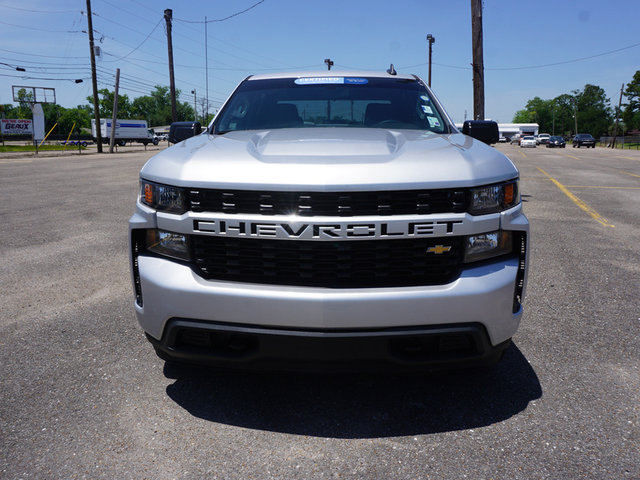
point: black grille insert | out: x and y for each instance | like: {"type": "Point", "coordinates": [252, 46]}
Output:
{"type": "Point", "coordinates": [340, 264]}
{"type": "Point", "coordinates": [339, 204]}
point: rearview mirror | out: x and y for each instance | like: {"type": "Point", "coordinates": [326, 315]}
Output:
{"type": "Point", "coordinates": [484, 130]}
{"type": "Point", "coordinates": [180, 131]}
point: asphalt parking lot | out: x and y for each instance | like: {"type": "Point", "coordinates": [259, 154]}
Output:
{"type": "Point", "coordinates": [82, 395]}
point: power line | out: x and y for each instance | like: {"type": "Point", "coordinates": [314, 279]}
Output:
{"type": "Point", "coordinates": [120, 9]}
{"type": "Point", "coordinates": [141, 43]}
{"type": "Point", "coordinates": [26, 77]}
{"type": "Point", "coordinates": [531, 67]}
{"type": "Point", "coordinates": [30, 10]}
{"type": "Point", "coordinates": [40, 29]}
{"type": "Point", "coordinates": [222, 19]}
{"type": "Point", "coordinates": [566, 61]}
{"type": "Point", "coordinates": [37, 55]}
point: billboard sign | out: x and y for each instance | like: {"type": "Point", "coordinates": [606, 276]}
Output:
{"type": "Point", "coordinates": [16, 126]}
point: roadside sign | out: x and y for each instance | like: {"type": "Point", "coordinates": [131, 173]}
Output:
{"type": "Point", "coordinates": [16, 126]}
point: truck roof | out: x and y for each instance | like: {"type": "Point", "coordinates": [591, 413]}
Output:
{"type": "Point", "coordinates": [332, 73]}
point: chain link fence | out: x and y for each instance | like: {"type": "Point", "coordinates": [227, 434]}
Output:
{"type": "Point", "coordinates": [625, 141]}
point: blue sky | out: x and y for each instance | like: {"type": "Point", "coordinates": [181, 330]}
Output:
{"type": "Point", "coordinates": [521, 40]}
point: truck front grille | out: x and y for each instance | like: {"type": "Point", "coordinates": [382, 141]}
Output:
{"type": "Point", "coordinates": [342, 204]}
{"type": "Point", "coordinates": [341, 264]}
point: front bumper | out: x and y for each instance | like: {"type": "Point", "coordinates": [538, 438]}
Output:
{"type": "Point", "coordinates": [406, 349]}
{"type": "Point", "coordinates": [395, 325]}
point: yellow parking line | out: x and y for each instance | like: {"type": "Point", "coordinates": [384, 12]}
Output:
{"type": "Point", "coordinates": [571, 156]}
{"type": "Point", "coordinates": [596, 216]}
{"type": "Point", "coordinates": [596, 186]}
{"type": "Point", "coordinates": [632, 174]}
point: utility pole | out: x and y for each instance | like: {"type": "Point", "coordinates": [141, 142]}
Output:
{"type": "Point", "coordinates": [94, 80]}
{"type": "Point", "coordinates": [431, 39]}
{"type": "Point", "coordinates": [112, 141]}
{"type": "Point", "coordinates": [615, 129]}
{"type": "Point", "coordinates": [478, 62]}
{"type": "Point", "coordinates": [329, 63]}
{"type": "Point", "coordinates": [168, 16]}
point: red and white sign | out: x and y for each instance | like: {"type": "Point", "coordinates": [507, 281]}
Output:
{"type": "Point", "coordinates": [16, 126]}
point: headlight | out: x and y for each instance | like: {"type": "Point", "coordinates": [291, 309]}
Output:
{"type": "Point", "coordinates": [487, 245]}
{"type": "Point", "coordinates": [169, 244]}
{"type": "Point", "coordinates": [163, 197]}
{"type": "Point", "coordinates": [494, 198]}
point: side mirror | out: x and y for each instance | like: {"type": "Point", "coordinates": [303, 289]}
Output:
{"type": "Point", "coordinates": [484, 130]}
{"type": "Point", "coordinates": [180, 131]}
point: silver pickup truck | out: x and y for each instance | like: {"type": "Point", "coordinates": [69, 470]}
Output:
{"type": "Point", "coordinates": [330, 220]}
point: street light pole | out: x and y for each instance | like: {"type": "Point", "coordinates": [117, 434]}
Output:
{"type": "Point", "coordinates": [195, 110]}
{"type": "Point", "coordinates": [431, 39]}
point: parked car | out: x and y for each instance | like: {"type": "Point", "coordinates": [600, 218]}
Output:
{"type": "Point", "coordinates": [543, 138]}
{"type": "Point", "coordinates": [528, 141]}
{"type": "Point", "coordinates": [556, 141]}
{"type": "Point", "coordinates": [502, 139]}
{"type": "Point", "coordinates": [584, 140]}
{"type": "Point", "coordinates": [516, 139]}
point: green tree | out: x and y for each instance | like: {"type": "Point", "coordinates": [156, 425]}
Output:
{"type": "Point", "coordinates": [52, 112]}
{"type": "Point", "coordinates": [8, 111]}
{"type": "Point", "coordinates": [563, 123]}
{"type": "Point", "coordinates": [594, 115]}
{"type": "Point", "coordinates": [156, 107]}
{"type": "Point", "coordinates": [631, 111]}
{"type": "Point", "coordinates": [593, 110]}
{"type": "Point", "coordinates": [537, 111]}
{"type": "Point", "coordinates": [105, 104]}
{"type": "Point", "coordinates": [24, 100]}
{"type": "Point", "coordinates": [522, 116]}
{"type": "Point", "coordinates": [80, 116]}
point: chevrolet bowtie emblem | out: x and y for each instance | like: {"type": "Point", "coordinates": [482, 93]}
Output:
{"type": "Point", "coordinates": [438, 249]}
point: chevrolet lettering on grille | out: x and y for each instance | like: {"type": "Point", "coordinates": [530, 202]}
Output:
{"type": "Point", "coordinates": [328, 230]}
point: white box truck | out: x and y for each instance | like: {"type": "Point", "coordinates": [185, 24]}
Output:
{"type": "Point", "coordinates": [126, 131]}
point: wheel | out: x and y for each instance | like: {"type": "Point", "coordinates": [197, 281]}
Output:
{"type": "Point", "coordinates": [155, 141]}
{"type": "Point", "coordinates": [122, 143]}
{"type": "Point", "coordinates": [84, 144]}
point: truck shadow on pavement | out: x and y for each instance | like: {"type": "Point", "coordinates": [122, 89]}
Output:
{"type": "Point", "coordinates": [358, 406]}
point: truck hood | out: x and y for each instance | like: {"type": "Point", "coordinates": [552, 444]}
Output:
{"type": "Point", "coordinates": [329, 159]}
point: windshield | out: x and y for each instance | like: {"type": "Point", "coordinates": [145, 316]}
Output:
{"type": "Point", "coordinates": [331, 102]}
